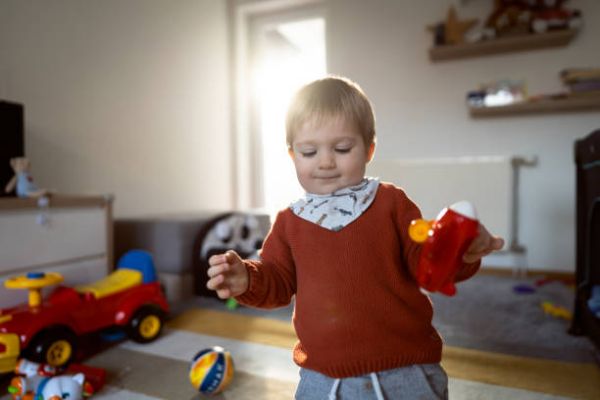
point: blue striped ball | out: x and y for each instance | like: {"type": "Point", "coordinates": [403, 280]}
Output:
{"type": "Point", "coordinates": [211, 370]}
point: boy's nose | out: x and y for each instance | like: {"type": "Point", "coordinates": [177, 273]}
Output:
{"type": "Point", "coordinates": [327, 161]}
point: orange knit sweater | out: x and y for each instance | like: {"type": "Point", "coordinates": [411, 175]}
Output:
{"type": "Point", "coordinates": [358, 309]}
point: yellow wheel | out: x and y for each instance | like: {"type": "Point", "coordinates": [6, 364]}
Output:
{"type": "Point", "coordinates": [419, 230]}
{"type": "Point", "coordinates": [150, 326]}
{"type": "Point", "coordinates": [146, 324]}
{"type": "Point", "coordinates": [59, 353]}
{"type": "Point", "coordinates": [55, 346]}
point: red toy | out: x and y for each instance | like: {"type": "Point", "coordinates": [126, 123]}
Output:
{"type": "Point", "coordinates": [46, 330]}
{"type": "Point", "coordinates": [445, 240]}
{"type": "Point", "coordinates": [552, 14]}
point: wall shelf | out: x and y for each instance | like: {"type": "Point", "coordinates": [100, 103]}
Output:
{"type": "Point", "coordinates": [503, 45]}
{"type": "Point", "coordinates": [587, 102]}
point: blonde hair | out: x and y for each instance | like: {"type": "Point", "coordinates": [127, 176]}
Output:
{"type": "Point", "coordinates": [331, 97]}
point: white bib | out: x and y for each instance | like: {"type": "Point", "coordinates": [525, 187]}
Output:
{"type": "Point", "coordinates": [336, 210]}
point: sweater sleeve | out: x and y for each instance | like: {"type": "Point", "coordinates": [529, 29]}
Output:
{"type": "Point", "coordinates": [272, 279]}
{"type": "Point", "coordinates": [405, 212]}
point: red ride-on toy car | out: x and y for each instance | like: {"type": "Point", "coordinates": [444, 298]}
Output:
{"type": "Point", "coordinates": [46, 330]}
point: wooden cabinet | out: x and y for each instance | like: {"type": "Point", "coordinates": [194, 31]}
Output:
{"type": "Point", "coordinates": [70, 234]}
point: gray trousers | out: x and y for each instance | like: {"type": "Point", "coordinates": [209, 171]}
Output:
{"type": "Point", "coordinates": [419, 381]}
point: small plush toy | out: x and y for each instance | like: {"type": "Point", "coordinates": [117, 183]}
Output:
{"type": "Point", "coordinates": [42, 382]}
{"type": "Point", "coordinates": [22, 180]}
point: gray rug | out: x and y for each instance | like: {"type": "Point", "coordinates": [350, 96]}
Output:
{"type": "Point", "coordinates": [487, 314]}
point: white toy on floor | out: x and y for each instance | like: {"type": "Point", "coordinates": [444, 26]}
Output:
{"type": "Point", "coordinates": [40, 382]}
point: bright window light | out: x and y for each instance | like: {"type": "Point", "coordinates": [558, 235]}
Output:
{"type": "Point", "coordinates": [289, 55]}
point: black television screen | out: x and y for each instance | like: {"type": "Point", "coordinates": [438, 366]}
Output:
{"type": "Point", "coordinates": [11, 139]}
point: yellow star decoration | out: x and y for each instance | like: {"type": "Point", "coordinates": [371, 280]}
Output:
{"type": "Point", "coordinates": [454, 30]}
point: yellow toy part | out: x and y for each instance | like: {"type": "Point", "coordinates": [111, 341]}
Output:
{"type": "Point", "coordinates": [556, 311]}
{"type": "Point", "coordinates": [419, 230]}
{"type": "Point", "coordinates": [34, 282]}
{"type": "Point", "coordinates": [11, 343]}
{"type": "Point", "coordinates": [119, 280]}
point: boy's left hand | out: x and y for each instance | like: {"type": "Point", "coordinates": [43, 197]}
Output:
{"type": "Point", "coordinates": [482, 245]}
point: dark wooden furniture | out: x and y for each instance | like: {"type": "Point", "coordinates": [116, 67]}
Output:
{"type": "Point", "coordinates": [587, 160]}
{"type": "Point", "coordinates": [11, 140]}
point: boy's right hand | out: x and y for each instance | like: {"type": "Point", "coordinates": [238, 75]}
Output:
{"type": "Point", "coordinates": [227, 275]}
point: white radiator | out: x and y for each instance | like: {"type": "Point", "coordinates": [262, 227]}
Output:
{"type": "Point", "coordinates": [491, 183]}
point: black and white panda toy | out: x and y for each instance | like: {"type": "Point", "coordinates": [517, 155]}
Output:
{"type": "Point", "coordinates": [242, 232]}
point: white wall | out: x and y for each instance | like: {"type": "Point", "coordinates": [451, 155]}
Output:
{"type": "Point", "coordinates": [123, 97]}
{"type": "Point", "coordinates": [382, 44]}
{"type": "Point", "coordinates": [131, 98]}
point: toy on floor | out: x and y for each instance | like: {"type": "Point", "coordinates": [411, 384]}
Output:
{"type": "Point", "coordinates": [22, 181]}
{"type": "Point", "coordinates": [47, 330]}
{"type": "Point", "coordinates": [523, 288]}
{"type": "Point", "coordinates": [243, 233]}
{"type": "Point", "coordinates": [43, 382]}
{"type": "Point", "coordinates": [445, 241]}
{"type": "Point", "coordinates": [594, 301]}
{"type": "Point", "coordinates": [211, 370]}
{"type": "Point", "coordinates": [556, 311]}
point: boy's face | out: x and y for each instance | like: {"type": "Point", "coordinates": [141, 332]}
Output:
{"type": "Point", "coordinates": [329, 156]}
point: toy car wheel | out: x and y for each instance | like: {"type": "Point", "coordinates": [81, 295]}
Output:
{"type": "Point", "coordinates": [146, 324]}
{"type": "Point", "coordinates": [56, 347]}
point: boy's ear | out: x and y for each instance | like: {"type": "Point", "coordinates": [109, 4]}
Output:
{"type": "Point", "coordinates": [371, 152]}
{"type": "Point", "coordinates": [291, 152]}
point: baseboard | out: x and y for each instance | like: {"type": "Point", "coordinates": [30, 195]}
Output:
{"type": "Point", "coordinates": [536, 273]}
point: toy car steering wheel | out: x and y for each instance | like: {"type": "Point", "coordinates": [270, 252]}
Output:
{"type": "Point", "coordinates": [34, 282]}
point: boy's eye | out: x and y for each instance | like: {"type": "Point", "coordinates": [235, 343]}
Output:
{"type": "Point", "coordinates": [308, 154]}
{"type": "Point", "coordinates": [343, 150]}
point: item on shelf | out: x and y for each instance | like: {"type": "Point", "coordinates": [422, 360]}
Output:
{"type": "Point", "coordinates": [509, 17]}
{"type": "Point", "coordinates": [581, 80]}
{"type": "Point", "coordinates": [498, 93]}
{"type": "Point", "coordinates": [551, 15]}
{"type": "Point", "coordinates": [570, 75]}
{"type": "Point", "coordinates": [453, 30]}
{"type": "Point", "coordinates": [476, 98]}
{"type": "Point", "coordinates": [22, 181]}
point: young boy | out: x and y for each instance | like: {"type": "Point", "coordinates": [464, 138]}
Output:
{"type": "Point", "coordinates": [364, 326]}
